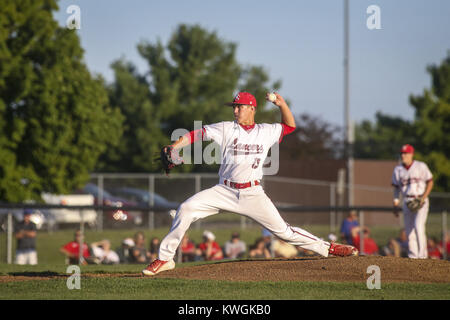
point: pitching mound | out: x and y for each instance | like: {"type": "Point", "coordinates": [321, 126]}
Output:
{"type": "Point", "coordinates": [352, 269]}
{"type": "Point", "coordinates": [318, 269]}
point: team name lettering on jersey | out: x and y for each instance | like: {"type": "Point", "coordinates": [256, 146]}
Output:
{"type": "Point", "coordinates": [408, 181]}
{"type": "Point", "coordinates": [246, 149]}
{"type": "Point", "coordinates": [411, 180]}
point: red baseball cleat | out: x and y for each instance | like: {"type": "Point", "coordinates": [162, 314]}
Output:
{"type": "Point", "coordinates": [158, 266]}
{"type": "Point", "coordinates": [342, 250]}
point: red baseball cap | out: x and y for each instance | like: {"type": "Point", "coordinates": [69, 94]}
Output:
{"type": "Point", "coordinates": [243, 98]}
{"type": "Point", "coordinates": [407, 148]}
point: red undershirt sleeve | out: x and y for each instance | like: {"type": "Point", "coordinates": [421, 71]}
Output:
{"type": "Point", "coordinates": [285, 130]}
{"type": "Point", "coordinates": [195, 135]}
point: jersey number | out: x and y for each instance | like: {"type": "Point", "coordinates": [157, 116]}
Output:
{"type": "Point", "coordinates": [256, 163]}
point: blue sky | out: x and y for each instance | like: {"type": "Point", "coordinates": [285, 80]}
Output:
{"type": "Point", "coordinates": [299, 42]}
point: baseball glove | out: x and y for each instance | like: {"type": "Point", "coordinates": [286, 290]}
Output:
{"type": "Point", "coordinates": [415, 204]}
{"type": "Point", "coordinates": [169, 158]}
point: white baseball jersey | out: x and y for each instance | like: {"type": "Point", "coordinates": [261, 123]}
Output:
{"type": "Point", "coordinates": [412, 181]}
{"type": "Point", "coordinates": [243, 152]}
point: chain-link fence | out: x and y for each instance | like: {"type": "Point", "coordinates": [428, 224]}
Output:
{"type": "Point", "coordinates": [148, 202]}
{"type": "Point", "coordinates": [168, 192]}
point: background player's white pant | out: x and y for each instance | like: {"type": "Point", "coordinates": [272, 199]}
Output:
{"type": "Point", "coordinates": [251, 202]}
{"type": "Point", "coordinates": [415, 231]}
{"type": "Point", "coordinates": [26, 257]}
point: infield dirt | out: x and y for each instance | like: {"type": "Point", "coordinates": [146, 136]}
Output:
{"type": "Point", "coordinates": [351, 269]}
{"type": "Point", "coordinates": [319, 269]}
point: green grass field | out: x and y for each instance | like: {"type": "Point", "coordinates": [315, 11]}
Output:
{"type": "Point", "coordinates": [122, 288]}
{"type": "Point", "coordinates": [51, 262]}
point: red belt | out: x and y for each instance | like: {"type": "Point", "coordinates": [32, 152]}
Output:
{"type": "Point", "coordinates": [240, 185]}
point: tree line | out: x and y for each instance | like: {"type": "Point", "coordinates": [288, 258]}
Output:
{"type": "Point", "coordinates": [428, 132]}
{"type": "Point", "coordinates": [59, 122]}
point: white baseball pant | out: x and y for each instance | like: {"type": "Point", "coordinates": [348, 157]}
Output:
{"type": "Point", "coordinates": [26, 257]}
{"type": "Point", "coordinates": [251, 202]}
{"type": "Point", "coordinates": [415, 231]}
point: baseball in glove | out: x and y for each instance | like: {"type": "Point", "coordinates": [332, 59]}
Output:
{"type": "Point", "coordinates": [415, 204]}
{"type": "Point", "coordinates": [169, 158]}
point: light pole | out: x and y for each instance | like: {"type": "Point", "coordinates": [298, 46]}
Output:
{"type": "Point", "coordinates": [348, 136]}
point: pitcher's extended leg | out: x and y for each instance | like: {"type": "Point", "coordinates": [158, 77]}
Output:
{"type": "Point", "coordinates": [203, 204]}
{"type": "Point", "coordinates": [260, 208]}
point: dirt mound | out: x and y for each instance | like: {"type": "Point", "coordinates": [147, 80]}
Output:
{"type": "Point", "coordinates": [318, 269]}
{"type": "Point", "coordinates": [301, 269]}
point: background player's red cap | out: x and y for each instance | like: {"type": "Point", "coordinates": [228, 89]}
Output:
{"type": "Point", "coordinates": [407, 148]}
{"type": "Point", "coordinates": [243, 98]}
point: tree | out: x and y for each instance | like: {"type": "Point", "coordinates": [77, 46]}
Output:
{"type": "Point", "coordinates": [432, 123]}
{"type": "Point", "coordinates": [55, 119]}
{"type": "Point", "coordinates": [142, 134]}
{"type": "Point", "coordinates": [189, 79]}
{"type": "Point", "coordinates": [429, 132]}
{"type": "Point", "coordinates": [382, 139]}
{"type": "Point", "coordinates": [313, 138]}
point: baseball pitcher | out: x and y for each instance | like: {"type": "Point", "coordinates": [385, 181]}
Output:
{"type": "Point", "coordinates": [244, 146]}
{"type": "Point", "coordinates": [414, 181]}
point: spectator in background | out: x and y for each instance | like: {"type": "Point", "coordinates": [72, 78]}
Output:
{"type": "Point", "coordinates": [392, 249]}
{"type": "Point", "coordinates": [370, 246]}
{"type": "Point", "coordinates": [332, 237]}
{"type": "Point", "coordinates": [72, 250]}
{"type": "Point", "coordinates": [282, 249]}
{"type": "Point", "coordinates": [235, 248]}
{"type": "Point", "coordinates": [124, 251]}
{"type": "Point", "coordinates": [25, 233]}
{"type": "Point", "coordinates": [209, 249]}
{"type": "Point", "coordinates": [101, 250]}
{"type": "Point", "coordinates": [154, 248]}
{"type": "Point", "coordinates": [346, 227]}
{"type": "Point", "coordinates": [259, 250]}
{"type": "Point", "coordinates": [139, 253]}
{"type": "Point", "coordinates": [402, 240]}
{"type": "Point", "coordinates": [446, 245]}
{"type": "Point", "coordinates": [187, 249]}
{"type": "Point", "coordinates": [268, 240]}
{"type": "Point", "coordinates": [433, 249]}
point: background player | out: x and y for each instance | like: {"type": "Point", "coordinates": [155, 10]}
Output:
{"type": "Point", "coordinates": [413, 180]}
{"type": "Point", "coordinates": [244, 146]}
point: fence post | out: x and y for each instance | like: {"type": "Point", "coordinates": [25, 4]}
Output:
{"type": "Point", "coordinates": [100, 202]}
{"type": "Point", "coordinates": [444, 235]}
{"type": "Point", "coordinates": [179, 254]}
{"type": "Point", "coordinates": [243, 223]}
{"type": "Point", "coordinates": [333, 204]}
{"type": "Point", "coordinates": [81, 241]}
{"type": "Point", "coordinates": [361, 232]}
{"type": "Point", "coordinates": [151, 201]}
{"type": "Point", "coordinates": [197, 190]}
{"type": "Point", "coordinates": [9, 240]}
